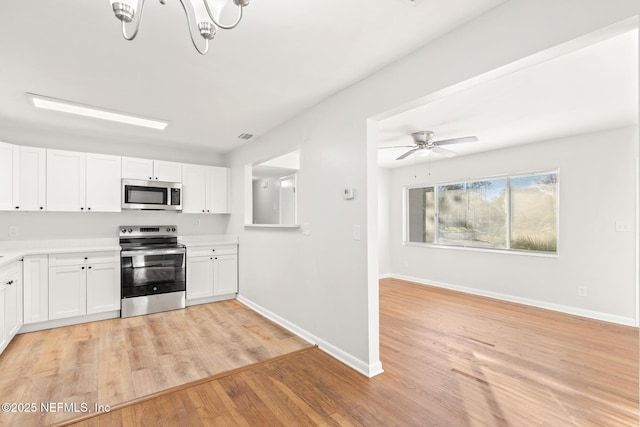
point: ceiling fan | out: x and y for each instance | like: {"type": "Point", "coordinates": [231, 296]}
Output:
{"type": "Point", "coordinates": [424, 144]}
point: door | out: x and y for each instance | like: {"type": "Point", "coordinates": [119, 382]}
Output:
{"type": "Point", "coordinates": [36, 288]}
{"type": "Point", "coordinates": [66, 181]}
{"type": "Point", "coordinates": [9, 175]}
{"type": "Point", "coordinates": [103, 183]}
{"type": "Point", "coordinates": [199, 277]}
{"type": "Point", "coordinates": [133, 168]}
{"type": "Point", "coordinates": [167, 171]}
{"type": "Point", "coordinates": [217, 190]}
{"type": "Point", "coordinates": [288, 200]}
{"type": "Point", "coordinates": [103, 288]}
{"type": "Point", "coordinates": [225, 275]}
{"type": "Point", "coordinates": [67, 291]}
{"type": "Point", "coordinates": [193, 188]}
{"type": "Point", "coordinates": [33, 179]}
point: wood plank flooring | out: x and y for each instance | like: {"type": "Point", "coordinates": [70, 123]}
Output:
{"type": "Point", "coordinates": [119, 360]}
{"type": "Point", "coordinates": [450, 359]}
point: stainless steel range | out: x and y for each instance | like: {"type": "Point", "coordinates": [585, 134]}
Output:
{"type": "Point", "coordinates": [153, 269]}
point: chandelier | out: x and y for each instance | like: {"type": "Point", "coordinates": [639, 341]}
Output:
{"type": "Point", "coordinates": [201, 17]}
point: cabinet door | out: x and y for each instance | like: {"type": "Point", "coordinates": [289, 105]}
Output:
{"type": "Point", "coordinates": [133, 168]}
{"type": "Point", "coordinates": [67, 291]}
{"type": "Point", "coordinates": [35, 284]}
{"type": "Point", "coordinates": [103, 183]}
{"type": "Point", "coordinates": [65, 181]}
{"type": "Point", "coordinates": [225, 275]}
{"type": "Point", "coordinates": [3, 303]}
{"type": "Point", "coordinates": [9, 175]}
{"type": "Point", "coordinates": [12, 310]}
{"type": "Point", "coordinates": [33, 179]}
{"type": "Point", "coordinates": [217, 190]}
{"type": "Point", "coordinates": [193, 188]}
{"type": "Point", "coordinates": [103, 288]}
{"type": "Point", "coordinates": [199, 277]}
{"type": "Point", "coordinates": [167, 171]}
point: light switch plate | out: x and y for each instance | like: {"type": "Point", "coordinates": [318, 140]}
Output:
{"type": "Point", "coordinates": [306, 229]}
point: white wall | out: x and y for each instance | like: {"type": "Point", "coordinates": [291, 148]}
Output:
{"type": "Point", "coordinates": [266, 200]}
{"type": "Point", "coordinates": [384, 222]}
{"type": "Point", "coordinates": [597, 183]}
{"type": "Point", "coordinates": [326, 284]}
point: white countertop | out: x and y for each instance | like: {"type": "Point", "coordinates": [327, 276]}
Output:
{"type": "Point", "coordinates": [13, 250]}
{"type": "Point", "coordinates": [209, 240]}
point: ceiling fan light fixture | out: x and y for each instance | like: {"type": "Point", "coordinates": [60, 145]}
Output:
{"type": "Point", "coordinates": [206, 22]}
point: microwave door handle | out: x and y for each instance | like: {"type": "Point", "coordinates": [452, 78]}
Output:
{"type": "Point", "coordinates": [153, 252]}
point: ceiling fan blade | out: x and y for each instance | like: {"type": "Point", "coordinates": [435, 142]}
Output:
{"type": "Point", "coordinates": [456, 140]}
{"type": "Point", "coordinates": [443, 152]}
{"type": "Point", "coordinates": [398, 146]}
{"type": "Point", "coordinates": [408, 153]}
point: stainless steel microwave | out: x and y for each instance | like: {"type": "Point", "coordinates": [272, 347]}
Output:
{"type": "Point", "coordinates": [151, 195]}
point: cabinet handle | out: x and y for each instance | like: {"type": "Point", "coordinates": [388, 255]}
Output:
{"type": "Point", "coordinates": [81, 209]}
{"type": "Point", "coordinates": [10, 282]}
{"type": "Point", "coordinates": [83, 268]}
{"type": "Point", "coordinates": [150, 178]}
{"type": "Point", "coordinates": [89, 267]}
{"type": "Point", "coordinates": [213, 250]}
{"type": "Point", "coordinates": [216, 257]}
{"type": "Point", "coordinates": [156, 177]}
{"type": "Point", "coordinates": [85, 258]}
{"type": "Point", "coordinates": [41, 208]}
{"type": "Point", "coordinates": [202, 210]}
{"type": "Point", "coordinates": [207, 210]}
{"type": "Point", "coordinates": [17, 207]}
{"type": "Point", "coordinates": [211, 258]}
{"type": "Point", "coordinates": [89, 209]}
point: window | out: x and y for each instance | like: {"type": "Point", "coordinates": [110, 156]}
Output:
{"type": "Point", "coordinates": [518, 213]}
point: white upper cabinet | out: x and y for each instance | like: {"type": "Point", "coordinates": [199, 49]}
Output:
{"type": "Point", "coordinates": [205, 189]}
{"type": "Point", "coordinates": [9, 175]}
{"type": "Point", "coordinates": [33, 179]}
{"type": "Point", "coordinates": [79, 182]}
{"type": "Point", "coordinates": [167, 171]}
{"type": "Point", "coordinates": [103, 183]}
{"type": "Point", "coordinates": [66, 182]}
{"type": "Point", "coordinates": [217, 193]}
{"type": "Point", "coordinates": [133, 168]}
{"type": "Point", "coordinates": [193, 188]}
{"type": "Point", "coordinates": [157, 170]}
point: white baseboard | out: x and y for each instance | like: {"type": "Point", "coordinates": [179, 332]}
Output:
{"type": "Point", "coordinates": [385, 276]}
{"type": "Point", "coordinates": [612, 318]}
{"type": "Point", "coordinates": [368, 370]}
{"type": "Point", "coordinates": [57, 323]}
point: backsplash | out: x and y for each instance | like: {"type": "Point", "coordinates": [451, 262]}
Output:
{"type": "Point", "coordinates": [76, 225]}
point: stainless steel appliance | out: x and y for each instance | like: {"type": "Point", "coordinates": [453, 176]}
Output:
{"type": "Point", "coordinates": [151, 195]}
{"type": "Point", "coordinates": [153, 267]}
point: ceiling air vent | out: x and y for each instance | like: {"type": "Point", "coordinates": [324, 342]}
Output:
{"type": "Point", "coordinates": [245, 136]}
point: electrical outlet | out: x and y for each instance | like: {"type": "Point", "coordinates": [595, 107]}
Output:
{"type": "Point", "coordinates": [197, 223]}
{"type": "Point", "coordinates": [582, 291]}
{"type": "Point", "coordinates": [14, 231]}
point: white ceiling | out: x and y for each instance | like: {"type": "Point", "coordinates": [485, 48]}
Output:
{"type": "Point", "coordinates": [283, 58]}
{"type": "Point", "coordinates": [591, 89]}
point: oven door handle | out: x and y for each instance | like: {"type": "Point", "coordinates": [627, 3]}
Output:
{"type": "Point", "coordinates": [152, 252]}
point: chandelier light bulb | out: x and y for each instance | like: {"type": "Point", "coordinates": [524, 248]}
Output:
{"type": "Point", "coordinates": [205, 13]}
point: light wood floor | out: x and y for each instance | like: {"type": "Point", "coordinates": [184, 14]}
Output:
{"type": "Point", "coordinates": [118, 360]}
{"type": "Point", "coordinates": [450, 360]}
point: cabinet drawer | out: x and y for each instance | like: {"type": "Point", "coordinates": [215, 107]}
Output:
{"type": "Point", "coordinates": [209, 250]}
{"type": "Point", "coordinates": [84, 258]}
{"type": "Point", "coordinates": [9, 270]}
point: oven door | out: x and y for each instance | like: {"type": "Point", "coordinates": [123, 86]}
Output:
{"type": "Point", "coordinates": [152, 271]}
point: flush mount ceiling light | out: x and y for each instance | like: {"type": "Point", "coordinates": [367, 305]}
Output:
{"type": "Point", "coordinates": [201, 17]}
{"type": "Point", "coordinates": [61, 105]}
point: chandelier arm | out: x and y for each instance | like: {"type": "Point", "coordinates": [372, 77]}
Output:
{"type": "Point", "coordinates": [135, 32]}
{"type": "Point", "coordinates": [224, 27]}
{"type": "Point", "coordinates": [206, 41]}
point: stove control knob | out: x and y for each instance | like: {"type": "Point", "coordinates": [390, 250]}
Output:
{"type": "Point", "coordinates": [173, 229]}
{"type": "Point", "coordinates": [130, 230]}
{"type": "Point", "coordinates": [124, 230]}
{"type": "Point", "coordinates": [168, 229]}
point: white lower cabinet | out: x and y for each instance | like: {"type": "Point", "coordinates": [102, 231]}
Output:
{"type": "Point", "coordinates": [212, 271]}
{"type": "Point", "coordinates": [67, 291]}
{"type": "Point", "coordinates": [35, 284]}
{"type": "Point", "coordinates": [10, 302]}
{"type": "Point", "coordinates": [79, 285]}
